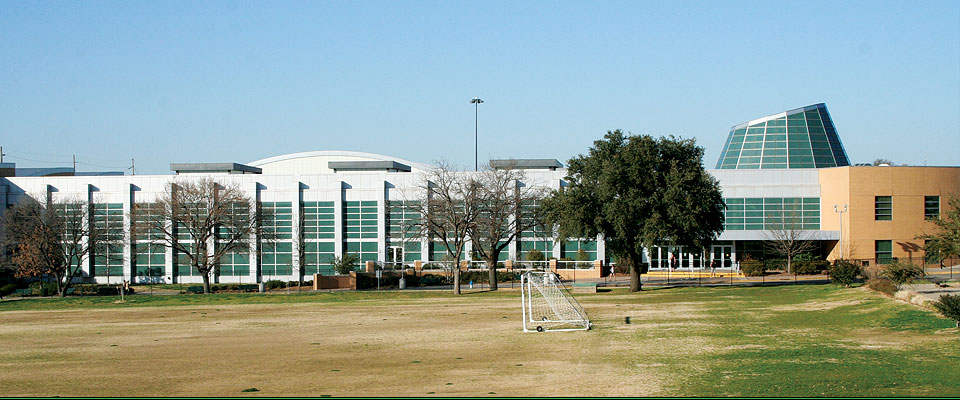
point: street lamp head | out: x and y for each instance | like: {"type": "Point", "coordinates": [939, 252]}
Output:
{"type": "Point", "coordinates": [476, 100]}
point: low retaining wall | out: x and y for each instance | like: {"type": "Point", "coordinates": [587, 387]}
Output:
{"type": "Point", "coordinates": [574, 274]}
{"type": "Point", "coordinates": [335, 282]}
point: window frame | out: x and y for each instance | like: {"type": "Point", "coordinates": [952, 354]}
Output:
{"type": "Point", "coordinates": [877, 215]}
{"type": "Point", "coordinates": [927, 215]}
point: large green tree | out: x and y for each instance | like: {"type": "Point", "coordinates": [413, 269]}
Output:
{"type": "Point", "coordinates": [946, 242]}
{"type": "Point", "coordinates": [638, 191]}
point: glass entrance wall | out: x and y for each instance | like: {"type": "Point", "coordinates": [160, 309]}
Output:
{"type": "Point", "coordinates": [688, 258]}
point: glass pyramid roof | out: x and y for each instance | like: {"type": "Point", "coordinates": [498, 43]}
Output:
{"type": "Point", "coordinates": [800, 138]}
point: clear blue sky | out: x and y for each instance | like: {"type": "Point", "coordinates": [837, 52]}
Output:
{"type": "Point", "coordinates": [210, 81]}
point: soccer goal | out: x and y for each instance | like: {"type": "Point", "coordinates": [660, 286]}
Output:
{"type": "Point", "coordinates": [548, 305]}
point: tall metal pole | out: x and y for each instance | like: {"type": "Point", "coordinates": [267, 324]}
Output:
{"type": "Point", "coordinates": [476, 125]}
{"type": "Point", "coordinates": [476, 137]}
{"type": "Point", "coordinates": [836, 209]}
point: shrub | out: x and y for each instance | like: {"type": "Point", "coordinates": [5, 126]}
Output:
{"type": "Point", "coordinates": [388, 279]}
{"type": "Point", "coordinates": [96, 290]}
{"type": "Point", "coordinates": [434, 280]}
{"type": "Point", "coordinates": [535, 255]}
{"type": "Point", "coordinates": [949, 306]}
{"type": "Point", "coordinates": [752, 267]}
{"type": "Point", "coordinates": [45, 288]}
{"type": "Point", "coordinates": [233, 287]}
{"type": "Point", "coordinates": [882, 285]}
{"type": "Point", "coordinates": [902, 272]}
{"type": "Point", "coordinates": [343, 265]}
{"type": "Point", "coordinates": [7, 289]}
{"type": "Point", "coordinates": [844, 273]}
{"type": "Point", "coordinates": [274, 284]}
{"type": "Point", "coordinates": [811, 267]}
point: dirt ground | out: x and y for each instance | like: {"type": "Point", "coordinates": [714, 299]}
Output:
{"type": "Point", "coordinates": [443, 346]}
{"type": "Point", "coordinates": [796, 341]}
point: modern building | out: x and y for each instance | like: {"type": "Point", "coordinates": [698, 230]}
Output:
{"type": "Point", "coordinates": [783, 171]}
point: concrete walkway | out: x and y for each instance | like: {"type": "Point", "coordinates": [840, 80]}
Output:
{"type": "Point", "coordinates": [925, 292]}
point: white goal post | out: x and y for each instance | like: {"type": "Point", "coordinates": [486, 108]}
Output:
{"type": "Point", "coordinates": [548, 305]}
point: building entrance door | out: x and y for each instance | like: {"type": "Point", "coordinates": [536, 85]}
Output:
{"type": "Point", "coordinates": [722, 256]}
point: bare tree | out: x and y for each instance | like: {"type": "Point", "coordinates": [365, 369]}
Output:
{"type": "Point", "coordinates": [507, 207]}
{"type": "Point", "coordinates": [788, 239]}
{"type": "Point", "coordinates": [448, 201]}
{"type": "Point", "coordinates": [204, 220]}
{"type": "Point", "coordinates": [55, 238]}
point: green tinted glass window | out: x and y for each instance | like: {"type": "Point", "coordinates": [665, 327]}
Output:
{"type": "Point", "coordinates": [931, 207]}
{"type": "Point", "coordinates": [883, 208]}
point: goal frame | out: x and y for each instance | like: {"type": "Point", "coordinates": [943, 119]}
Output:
{"type": "Point", "coordinates": [529, 289]}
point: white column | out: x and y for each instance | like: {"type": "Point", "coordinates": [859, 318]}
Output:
{"type": "Point", "coordinates": [425, 240]}
{"type": "Point", "coordinates": [556, 245]}
{"type": "Point", "coordinates": [425, 249]}
{"type": "Point", "coordinates": [168, 268]}
{"type": "Point", "coordinates": [733, 256]}
{"type": "Point", "coordinates": [87, 261]}
{"type": "Point", "coordinates": [253, 189]}
{"type": "Point", "coordinates": [468, 249]}
{"type": "Point", "coordinates": [128, 273]}
{"type": "Point", "coordinates": [602, 249]}
{"type": "Point", "coordinates": [381, 223]}
{"type": "Point", "coordinates": [295, 204]}
{"type": "Point", "coordinates": [338, 218]}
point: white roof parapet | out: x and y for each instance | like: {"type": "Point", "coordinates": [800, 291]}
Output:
{"type": "Point", "coordinates": [389, 166]}
{"type": "Point", "coordinates": [526, 163]}
{"type": "Point", "coordinates": [213, 168]}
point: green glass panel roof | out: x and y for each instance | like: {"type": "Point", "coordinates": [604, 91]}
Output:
{"type": "Point", "coordinates": [799, 138]}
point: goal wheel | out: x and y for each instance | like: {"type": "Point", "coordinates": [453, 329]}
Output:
{"type": "Point", "coordinates": [539, 329]}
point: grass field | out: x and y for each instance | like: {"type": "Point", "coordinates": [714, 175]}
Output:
{"type": "Point", "coordinates": [745, 341]}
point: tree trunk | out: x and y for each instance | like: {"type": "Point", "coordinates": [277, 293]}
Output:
{"type": "Point", "coordinates": [492, 266]}
{"type": "Point", "coordinates": [61, 288]}
{"type": "Point", "coordinates": [635, 284]}
{"type": "Point", "coordinates": [206, 283]}
{"type": "Point", "coordinates": [456, 278]}
{"type": "Point", "coordinates": [789, 268]}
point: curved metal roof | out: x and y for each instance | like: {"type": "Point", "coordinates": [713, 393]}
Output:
{"type": "Point", "coordinates": [336, 153]}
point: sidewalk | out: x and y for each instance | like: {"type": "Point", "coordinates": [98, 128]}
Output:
{"type": "Point", "coordinates": [925, 292]}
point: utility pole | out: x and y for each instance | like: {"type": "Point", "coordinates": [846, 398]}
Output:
{"type": "Point", "coordinates": [133, 167]}
{"type": "Point", "coordinates": [74, 163]}
{"type": "Point", "coordinates": [1, 154]}
{"type": "Point", "coordinates": [476, 112]}
{"type": "Point", "coordinates": [836, 209]}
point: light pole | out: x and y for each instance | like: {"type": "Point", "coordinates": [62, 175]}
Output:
{"type": "Point", "coordinates": [476, 112]}
{"type": "Point", "coordinates": [837, 210]}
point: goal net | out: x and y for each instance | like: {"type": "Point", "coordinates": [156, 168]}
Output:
{"type": "Point", "coordinates": [548, 305]}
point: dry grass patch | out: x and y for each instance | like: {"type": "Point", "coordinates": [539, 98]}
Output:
{"type": "Point", "coordinates": [357, 348]}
